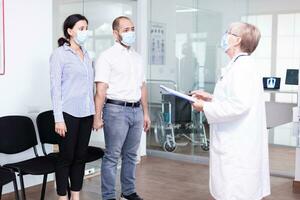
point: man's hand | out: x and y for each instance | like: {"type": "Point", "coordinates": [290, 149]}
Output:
{"type": "Point", "coordinates": [61, 128]}
{"type": "Point", "coordinates": [147, 123]}
{"type": "Point", "coordinates": [198, 105]}
{"type": "Point", "coordinates": [99, 103]}
{"type": "Point", "coordinates": [198, 94]}
{"type": "Point", "coordinates": [98, 123]}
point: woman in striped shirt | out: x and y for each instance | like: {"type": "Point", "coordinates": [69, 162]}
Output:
{"type": "Point", "coordinates": [71, 75]}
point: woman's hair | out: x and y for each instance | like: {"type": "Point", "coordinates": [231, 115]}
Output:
{"type": "Point", "coordinates": [70, 23]}
{"type": "Point", "coordinates": [249, 34]}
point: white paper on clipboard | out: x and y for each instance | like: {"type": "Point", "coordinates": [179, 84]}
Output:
{"type": "Point", "coordinates": [178, 94]}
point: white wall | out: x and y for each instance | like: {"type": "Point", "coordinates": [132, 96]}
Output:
{"type": "Point", "coordinates": [25, 86]}
{"type": "Point", "coordinates": [273, 6]}
{"type": "Point", "coordinates": [297, 165]}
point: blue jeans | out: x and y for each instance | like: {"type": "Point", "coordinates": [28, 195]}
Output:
{"type": "Point", "coordinates": [123, 127]}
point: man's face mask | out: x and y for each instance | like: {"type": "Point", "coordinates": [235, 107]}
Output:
{"type": "Point", "coordinates": [128, 38]}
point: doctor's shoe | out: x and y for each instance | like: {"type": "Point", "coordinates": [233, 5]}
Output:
{"type": "Point", "coordinates": [132, 196]}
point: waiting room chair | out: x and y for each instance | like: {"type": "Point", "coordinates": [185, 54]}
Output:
{"type": "Point", "coordinates": [46, 128]}
{"type": "Point", "coordinates": [17, 134]}
{"type": "Point", "coordinates": [7, 176]}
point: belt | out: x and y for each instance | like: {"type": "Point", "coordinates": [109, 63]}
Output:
{"type": "Point", "coordinates": [123, 103]}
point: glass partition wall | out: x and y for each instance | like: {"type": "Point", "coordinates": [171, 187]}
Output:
{"type": "Point", "coordinates": [184, 54]}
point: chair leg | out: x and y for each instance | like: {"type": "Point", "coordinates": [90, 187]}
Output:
{"type": "Point", "coordinates": [44, 186]}
{"type": "Point", "coordinates": [22, 186]}
{"type": "Point", "coordinates": [1, 192]}
{"type": "Point", "coordinates": [69, 190]}
{"type": "Point", "coordinates": [16, 189]}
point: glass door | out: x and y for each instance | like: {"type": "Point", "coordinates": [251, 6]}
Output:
{"type": "Point", "coordinates": [184, 54]}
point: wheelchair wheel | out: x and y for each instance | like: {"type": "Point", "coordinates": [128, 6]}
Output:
{"type": "Point", "coordinates": [205, 147]}
{"type": "Point", "coordinates": [159, 130]}
{"type": "Point", "coordinates": [169, 146]}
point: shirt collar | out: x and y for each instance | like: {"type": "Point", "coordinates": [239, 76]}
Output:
{"type": "Point", "coordinates": [122, 48]}
{"type": "Point", "coordinates": [68, 48]}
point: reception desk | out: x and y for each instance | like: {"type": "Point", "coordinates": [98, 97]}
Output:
{"type": "Point", "coordinates": [279, 113]}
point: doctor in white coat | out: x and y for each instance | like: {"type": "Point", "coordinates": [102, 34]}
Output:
{"type": "Point", "coordinates": [239, 163]}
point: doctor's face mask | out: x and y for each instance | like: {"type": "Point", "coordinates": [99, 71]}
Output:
{"type": "Point", "coordinates": [224, 42]}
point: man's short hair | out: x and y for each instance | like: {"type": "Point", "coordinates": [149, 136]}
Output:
{"type": "Point", "coordinates": [116, 22]}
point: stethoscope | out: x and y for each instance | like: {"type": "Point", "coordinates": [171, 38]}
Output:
{"type": "Point", "coordinates": [241, 55]}
{"type": "Point", "coordinates": [235, 59]}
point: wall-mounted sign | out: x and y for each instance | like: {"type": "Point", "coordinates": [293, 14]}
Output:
{"type": "Point", "coordinates": [2, 39]}
{"type": "Point", "coordinates": [157, 43]}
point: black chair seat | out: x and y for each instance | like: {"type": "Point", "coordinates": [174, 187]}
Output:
{"type": "Point", "coordinates": [94, 153]}
{"type": "Point", "coordinates": [35, 166]}
{"type": "Point", "coordinates": [6, 176]}
{"type": "Point", "coordinates": [53, 155]}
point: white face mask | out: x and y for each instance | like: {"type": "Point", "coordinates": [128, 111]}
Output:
{"type": "Point", "coordinates": [81, 37]}
{"type": "Point", "coordinates": [224, 42]}
{"type": "Point", "coordinates": [128, 38]}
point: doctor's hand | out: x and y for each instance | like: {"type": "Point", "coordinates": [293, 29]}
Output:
{"type": "Point", "coordinates": [61, 128]}
{"type": "Point", "coordinates": [198, 105]}
{"type": "Point", "coordinates": [198, 94]}
{"type": "Point", "coordinates": [98, 123]}
{"type": "Point", "coordinates": [147, 122]}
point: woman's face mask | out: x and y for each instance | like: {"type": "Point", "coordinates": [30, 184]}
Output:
{"type": "Point", "coordinates": [128, 38]}
{"type": "Point", "coordinates": [81, 37]}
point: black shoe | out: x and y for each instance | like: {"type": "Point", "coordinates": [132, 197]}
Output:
{"type": "Point", "coordinates": [132, 196]}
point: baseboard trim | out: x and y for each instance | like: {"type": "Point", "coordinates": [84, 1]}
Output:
{"type": "Point", "coordinates": [296, 187]}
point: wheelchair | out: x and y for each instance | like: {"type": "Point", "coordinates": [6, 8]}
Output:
{"type": "Point", "coordinates": [178, 120]}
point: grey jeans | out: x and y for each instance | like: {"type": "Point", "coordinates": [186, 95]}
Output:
{"type": "Point", "coordinates": [123, 127]}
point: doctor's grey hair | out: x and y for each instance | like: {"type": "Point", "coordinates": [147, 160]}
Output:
{"type": "Point", "coordinates": [249, 34]}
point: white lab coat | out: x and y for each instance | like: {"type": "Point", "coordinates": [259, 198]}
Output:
{"type": "Point", "coordinates": [239, 163]}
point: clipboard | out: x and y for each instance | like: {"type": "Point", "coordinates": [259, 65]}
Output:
{"type": "Point", "coordinates": [178, 94]}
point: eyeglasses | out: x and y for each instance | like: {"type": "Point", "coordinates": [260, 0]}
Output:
{"type": "Point", "coordinates": [228, 32]}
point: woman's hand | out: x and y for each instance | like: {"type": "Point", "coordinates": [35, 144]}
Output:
{"type": "Point", "coordinates": [98, 123]}
{"type": "Point", "coordinates": [61, 128]}
{"type": "Point", "coordinates": [205, 96]}
{"type": "Point", "coordinates": [198, 105]}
